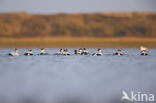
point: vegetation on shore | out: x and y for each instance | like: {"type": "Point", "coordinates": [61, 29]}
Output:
{"type": "Point", "coordinates": [77, 42]}
{"type": "Point", "coordinates": [130, 29]}
{"type": "Point", "coordinates": [133, 24]}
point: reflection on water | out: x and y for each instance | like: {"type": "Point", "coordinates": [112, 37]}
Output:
{"type": "Point", "coordinates": [75, 78]}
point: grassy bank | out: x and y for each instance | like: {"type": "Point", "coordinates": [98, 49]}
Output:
{"type": "Point", "coordinates": [77, 42]}
{"type": "Point", "coordinates": [104, 24]}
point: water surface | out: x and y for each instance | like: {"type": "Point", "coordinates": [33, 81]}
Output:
{"type": "Point", "coordinates": [75, 78]}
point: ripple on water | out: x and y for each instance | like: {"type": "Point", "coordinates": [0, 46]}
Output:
{"type": "Point", "coordinates": [75, 78]}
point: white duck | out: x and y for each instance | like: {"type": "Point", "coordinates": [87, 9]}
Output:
{"type": "Point", "coordinates": [15, 53]}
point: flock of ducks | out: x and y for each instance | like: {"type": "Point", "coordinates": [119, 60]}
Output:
{"type": "Point", "coordinates": [77, 52]}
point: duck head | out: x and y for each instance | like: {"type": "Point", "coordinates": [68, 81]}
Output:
{"type": "Point", "coordinates": [119, 51]}
{"type": "Point", "coordinates": [30, 52]}
{"type": "Point", "coordinates": [99, 51]}
{"type": "Point", "coordinates": [42, 50]}
{"type": "Point", "coordinates": [85, 50]}
{"type": "Point", "coordinates": [66, 51]}
{"type": "Point", "coordinates": [80, 51]}
{"type": "Point", "coordinates": [16, 51]}
{"type": "Point", "coordinates": [61, 51]}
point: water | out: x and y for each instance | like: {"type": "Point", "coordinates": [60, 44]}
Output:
{"type": "Point", "coordinates": [75, 78]}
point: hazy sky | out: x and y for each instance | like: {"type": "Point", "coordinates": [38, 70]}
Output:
{"type": "Point", "coordinates": [57, 6]}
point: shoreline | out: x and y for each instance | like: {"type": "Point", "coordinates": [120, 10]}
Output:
{"type": "Point", "coordinates": [71, 42]}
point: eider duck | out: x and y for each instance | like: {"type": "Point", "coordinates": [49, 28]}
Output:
{"type": "Point", "coordinates": [85, 52]}
{"type": "Point", "coordinates": [119, 52]}
{"type": "Point", "coordinates": [99, 53]}
{"type": "Point", "coordinates": [42, 52]}
{"type": "Point", "coordinates": [60, 52]}
{"type": "Point", "coordinates": [143, 50]}
{"type": "Point", "coordinates": [29, 53]}
{"type": "Point", "coordinates": [14, 54]}
{"type": "Point", "coordinates": [80, 51]}
{"type": "Point", "coordinates": [75, 52]}
{"type": "Point", "coordinates": [66, 52]}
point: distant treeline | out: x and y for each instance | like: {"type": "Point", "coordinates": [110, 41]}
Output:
{"type": "Point", "coordinates": [134, 24]}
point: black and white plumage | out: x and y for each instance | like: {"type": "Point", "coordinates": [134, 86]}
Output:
{"type": "Point", "coordinates": [75, 51]}
{"type": "Point", "coordinates": [60, 52]}
{"type": "Point", "coordinates": [42, 52]}
{"type": "Point", "coordinates": [119, 52]}
{"type": "Point", "coordinates": [99, 53]}
{"type": "Point", "coordinates": [81, 51]}
{"type": "Point", "coordinates": [65, 53]}
{"type": "Point", "coordinates": [29, 53]}
{"type": "Point", "coordinates": [143, 50]}
{"type": "Point", "coordinates": [14, 54]}
{"type": "Point", "coordinates": [85, 52]}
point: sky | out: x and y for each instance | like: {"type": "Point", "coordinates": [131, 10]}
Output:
{"type": "Point", "coordinates": [76, 6]}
